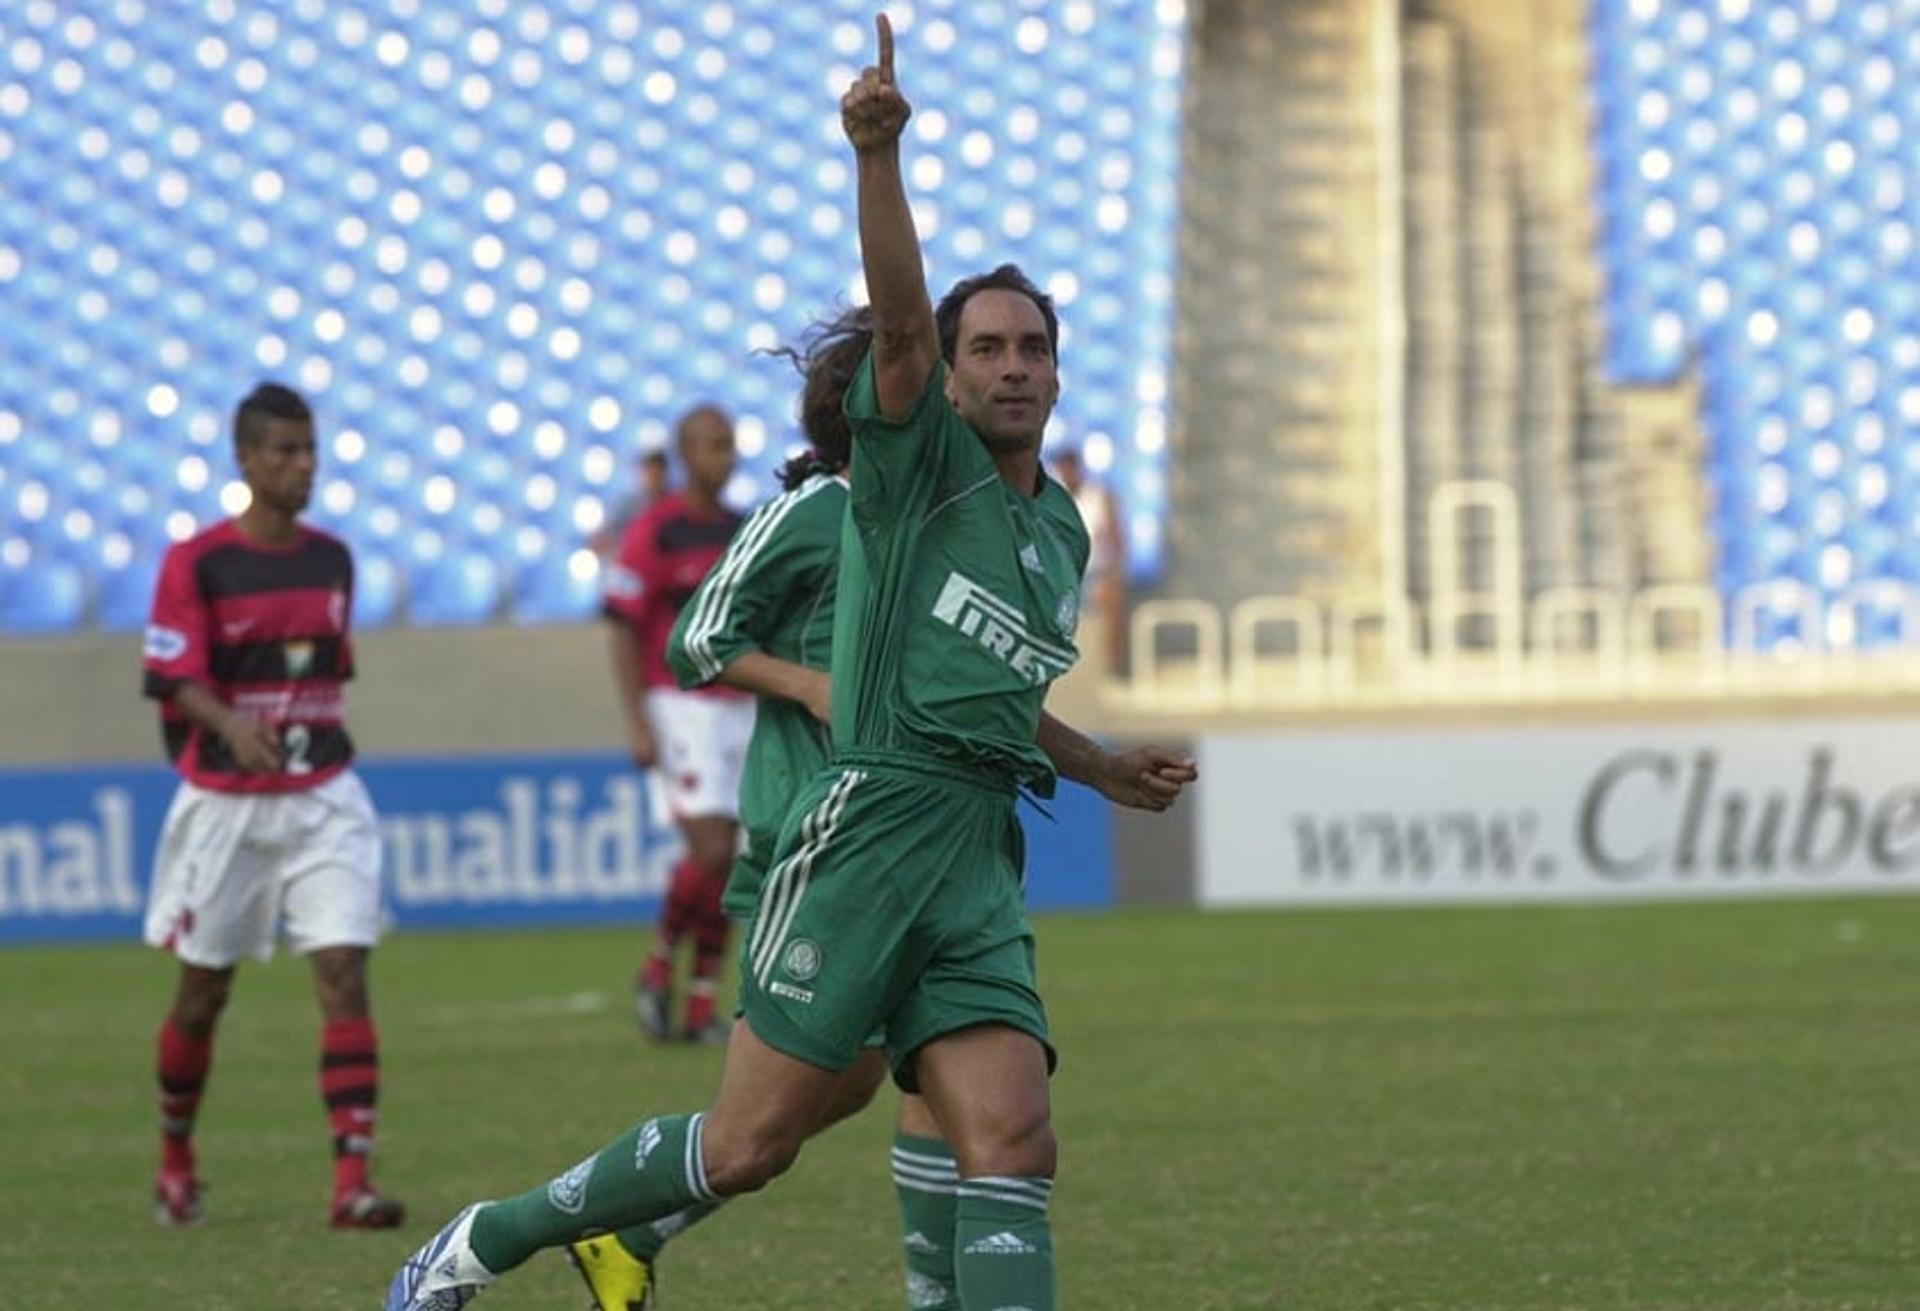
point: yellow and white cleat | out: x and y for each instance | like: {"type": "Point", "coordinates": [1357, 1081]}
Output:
{"type": "Point", "coordinates": [617, 1279]}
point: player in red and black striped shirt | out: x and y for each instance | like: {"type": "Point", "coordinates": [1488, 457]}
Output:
{"type": "Point", "coordinates": [270, 829]}
{"type": "Point", "coordinates": [695, 740]}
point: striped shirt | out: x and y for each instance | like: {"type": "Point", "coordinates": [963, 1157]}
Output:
{"type": "Point", "coordinates": [664, 554]}
{"type": "Point", "coordinates": [265, 628]}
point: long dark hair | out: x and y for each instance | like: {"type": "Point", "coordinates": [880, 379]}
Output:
{"type": "Point", "coordinates": [828, 358]}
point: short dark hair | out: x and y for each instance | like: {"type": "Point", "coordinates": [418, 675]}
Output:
{"type": "Point", "coordinates": [1007, 277]}
{"type": "Point", "coordinates": [268, 400]}
{"type": "Point", "coordinates": [655, 456]}
{"type": "Point", "coordinates": [704, 410]}
{"type": "Point", "coordinates": [828, 359]}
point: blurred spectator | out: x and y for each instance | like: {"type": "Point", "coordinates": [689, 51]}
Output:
{"type": "Point", "coordinates": [653, 486]}
{"type": "Point", "coordinates": [1104, 608]}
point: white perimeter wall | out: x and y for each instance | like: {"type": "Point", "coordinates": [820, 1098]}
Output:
{"type": "Point", "coordinates": [1552, 813]}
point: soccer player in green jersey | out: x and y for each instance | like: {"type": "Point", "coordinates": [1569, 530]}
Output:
{"type": "Point", "coordinates": [762, 621]}
{"type": "Point", "coordinates": [893, 900]}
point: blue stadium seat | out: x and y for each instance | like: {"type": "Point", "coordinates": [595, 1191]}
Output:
{"type": "Point", "coordinates": [41, 597]}
{"type": "Point", "coordinates": [1780, 137]}
{"type": "Point", "coordinates": [428, 252]}
{"type": "Point", "coordinates": [554, 590]}
{"type": "Point", "coordinates": [376, 590]}
{"type": "Point", "coordinates": [126, 594]}
{"type": "Point", "coordinates": [461, 588]}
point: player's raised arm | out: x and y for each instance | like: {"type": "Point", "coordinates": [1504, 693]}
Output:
{"type": "Point", "coordinates": [906, 344]}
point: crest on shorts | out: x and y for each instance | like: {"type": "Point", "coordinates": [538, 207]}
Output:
{"type": "Point", "coordinates": [568, 1193]}
{"type": "Point", "coordinates": [299, 658]}
{"type": "Point", "coordinates": [802, 960]}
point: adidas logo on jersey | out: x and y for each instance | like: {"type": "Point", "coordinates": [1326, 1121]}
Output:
{"type": "Point", "coordinates": [1000, 1244]}
{"type": "Point", "coordinates": [919, 1242]}
{"type": "Point", "coordinates": [1001, 628]}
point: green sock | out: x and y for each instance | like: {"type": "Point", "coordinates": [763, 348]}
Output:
{"type": "Point", "coordinates": [1003, 1244]}
{"type": "Point", "coordinates": [925, 1176]}
{"type": "Point", "coordinates": [645, 1241]}
{"type": "Point", "coordinates": [648, 1172]}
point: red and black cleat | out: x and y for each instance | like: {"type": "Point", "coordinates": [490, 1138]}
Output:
{"type": "Point", "coordinates": [176, 1199]}
{"type": "Point", "coordinates": [716, 1032]}
{"type": "Point", "coordinates": [654, 1007]}
{"type": "Point", "coordinates": [366, 1209]}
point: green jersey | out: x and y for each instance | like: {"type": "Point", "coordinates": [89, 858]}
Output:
{"type": "Point", "coordinates": [772, 591]}
{"type": "Point", "coordinates": [958, 595]}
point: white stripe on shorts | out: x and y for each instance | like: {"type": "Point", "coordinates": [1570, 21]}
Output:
{"type": "Point", "coordinates": [789, 883]}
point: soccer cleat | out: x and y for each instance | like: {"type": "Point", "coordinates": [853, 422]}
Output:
{"type": "Point", "coordinates": [617, 1279]}
{"type": "Point", "coordinates": [365, 1209]}
{"type": "Point", "coordinates": [176, 1199]}
{"type": "Point", "coordinates": [444, 1275]}
{"type": "Point", "coordinates": [714, 1033]}
{"type": "Point", "coordinates": [654, 1007]}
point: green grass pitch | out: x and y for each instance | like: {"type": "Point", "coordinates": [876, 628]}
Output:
{"type": "Point", "coordinates": [1638, 1108]}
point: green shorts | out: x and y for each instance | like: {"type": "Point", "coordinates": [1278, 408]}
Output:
{"type": "Point", "coordinates": [895, 904]}
{"type": "Point", "coordinates": [744, 884]}
{"type": "Point", "coordinates": [744, 881]}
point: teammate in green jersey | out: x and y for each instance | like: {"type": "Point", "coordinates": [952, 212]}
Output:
{"type": "Point", "coordinates": [762, 621]}
{"type": "Point", "coordinates": [893, 899]}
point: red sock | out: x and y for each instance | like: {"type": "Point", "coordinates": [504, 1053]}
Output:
{"type": "Point", "coordinates": [710, 931]}
{"type": "Point", "coordinates": [700, 994]}
{"type": "Point", "coordinates": [678, 915]}
{"type": "Point", "coordinates": [657, 974]}
{"type": "Point", "coordinates": [686, 892]}
{"type": "Point", "coordinates": [350, 1086]}
{"type": "Point", "coordinates": [710, 922]}
{"type": "Point", "coordinates": [183, 1065]}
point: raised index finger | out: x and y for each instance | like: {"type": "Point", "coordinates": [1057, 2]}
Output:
{"type": "Point", "coordinates": [884, 27]}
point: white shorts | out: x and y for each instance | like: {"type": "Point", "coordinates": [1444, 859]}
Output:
{"type": "Point", "coordinates": [233, 867]}
{"type": "Point", "coordinates": [703, 748]}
